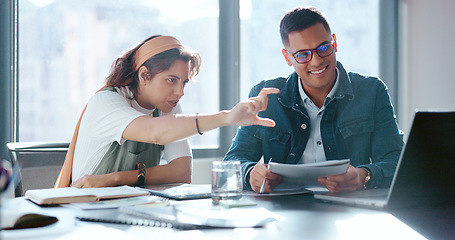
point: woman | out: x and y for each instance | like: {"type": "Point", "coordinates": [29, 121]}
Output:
{"type": "Point", "coordinates": [120, 136]}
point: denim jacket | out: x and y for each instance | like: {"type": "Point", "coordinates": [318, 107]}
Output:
{"type": "Point", "coordinates": [358, 124]}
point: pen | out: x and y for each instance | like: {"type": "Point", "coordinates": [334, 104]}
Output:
{"type": "Point", "coordinates": [263, 183]}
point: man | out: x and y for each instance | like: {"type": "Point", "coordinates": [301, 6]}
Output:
{"type": "Point", "coordinates": [322, 113]}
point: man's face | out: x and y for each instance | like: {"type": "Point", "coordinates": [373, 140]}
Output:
{"type": "Point", "coordinates": [317, 75]}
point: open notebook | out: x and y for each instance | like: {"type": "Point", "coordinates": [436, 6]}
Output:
{"type": "Point", "coordinates": [426, 170]}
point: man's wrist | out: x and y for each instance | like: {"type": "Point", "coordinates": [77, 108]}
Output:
{"type": "Point", "coordinates": [247, 176]}
{"type": "Point", "coordinates": [365, 179]}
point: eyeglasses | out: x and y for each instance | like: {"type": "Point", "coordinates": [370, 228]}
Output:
{"type": "Point", "coordinates": [304, 56]}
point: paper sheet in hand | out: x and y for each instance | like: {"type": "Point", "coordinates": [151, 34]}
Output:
{"type": "Point", "coordinates": [306, 175]}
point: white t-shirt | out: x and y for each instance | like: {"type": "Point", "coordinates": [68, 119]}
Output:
{"type": "Point", "coordinates": [107, 115]}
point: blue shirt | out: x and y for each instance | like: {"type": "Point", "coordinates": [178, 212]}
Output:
{"type": "Point", "coordinates": [314, 150]}
{"type": "Point", "coordinates": [358, 123]}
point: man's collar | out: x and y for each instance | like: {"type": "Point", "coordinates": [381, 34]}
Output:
{"type": "Point", "coordinates": [290, 96]}
{"type": "Point", "coordinates": [304, 96]}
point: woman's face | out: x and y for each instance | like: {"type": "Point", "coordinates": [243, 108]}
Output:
{"type": "Point", "coordinates": [164, 90]}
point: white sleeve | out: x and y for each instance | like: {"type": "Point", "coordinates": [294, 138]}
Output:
{"type": "Point", "coordinates": [105, 118]}
{"type": "Point", "coordinates": [177, 149]}
{"type": "Point", "coordinates": [109, 113]}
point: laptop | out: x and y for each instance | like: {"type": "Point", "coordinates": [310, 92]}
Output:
{"type": "Point", "coordinates": [425, 173]}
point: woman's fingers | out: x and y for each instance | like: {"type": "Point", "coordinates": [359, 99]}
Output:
{"type": "Point", "coordinates": [260, 102]}
{"type": "Point", "coordinates": [246, 113]}
{"type": "Point", "coordinates": [266, 122]}
{"type": "Point", "coordinates": [267, 91]}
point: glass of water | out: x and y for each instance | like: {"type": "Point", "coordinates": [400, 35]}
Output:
{"type": "Point", "coordinates": [226, 181]}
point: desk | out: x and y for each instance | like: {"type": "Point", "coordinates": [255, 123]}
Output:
{"type": "Point", "coordinates": [304, 218]}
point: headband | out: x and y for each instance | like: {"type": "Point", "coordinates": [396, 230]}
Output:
{"type": "Point", "coordinates": [154, 46]}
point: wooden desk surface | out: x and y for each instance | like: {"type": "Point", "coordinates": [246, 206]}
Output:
{"type": "Point", "coordinates": [304, 218]}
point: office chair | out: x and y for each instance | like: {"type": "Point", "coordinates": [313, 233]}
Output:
{"type": "Point", "coordinates": [40, 163]}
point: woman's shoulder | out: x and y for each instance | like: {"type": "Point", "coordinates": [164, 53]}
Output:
{"type": "Point", "coordinates": [105, 100]}
{"type": "Point", "coordinates": [111, 94]}
{"type": "Point", "coordinates": [124, 92]}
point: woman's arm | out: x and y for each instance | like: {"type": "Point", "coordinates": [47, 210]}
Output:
{"type": "Point", "coordinates": [165, 129]}
{"type": "Point", "coordinates": [177, 171]}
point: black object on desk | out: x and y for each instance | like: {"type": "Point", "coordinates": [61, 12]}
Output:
{"type": "Point", "coordinates": [436, 221]}
{"type": "Point", "coordinates": [426, 170]}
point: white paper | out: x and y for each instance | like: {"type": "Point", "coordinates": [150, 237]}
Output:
{"type": "Point", "coordinates": [222, 217]}
{"type": "Point", "coordinates": [306, 175]}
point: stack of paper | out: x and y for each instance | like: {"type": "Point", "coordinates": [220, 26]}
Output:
{"type": "Point", "coordinates": [306, 175]}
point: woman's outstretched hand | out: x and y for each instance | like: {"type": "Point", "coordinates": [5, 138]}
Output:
{"type": "Point", "coordinates": [246, 112]}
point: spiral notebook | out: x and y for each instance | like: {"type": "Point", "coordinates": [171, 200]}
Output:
{"type": "Point", "coordinates": [184, 217]}
{"type": "Point", "coordinates": [121, 217]}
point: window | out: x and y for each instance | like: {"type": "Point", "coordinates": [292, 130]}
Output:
{"type": "Point", "coordinates": [66, 49]}
{"type": "Point", "coordinates": [355, 22]}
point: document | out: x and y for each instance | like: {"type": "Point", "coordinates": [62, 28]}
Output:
{"type": "Point", "coordinates": [75, 195]}
{"type": "Point", "coordinates": [298, 176]}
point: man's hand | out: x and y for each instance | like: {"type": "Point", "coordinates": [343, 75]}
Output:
{"type": "Point", "coordinates": [259, 174]}
{"type": "Point", "coordinates": [350, 181]}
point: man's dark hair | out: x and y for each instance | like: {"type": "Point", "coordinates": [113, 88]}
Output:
{"type": "Point", "coordinates": [300, 19]}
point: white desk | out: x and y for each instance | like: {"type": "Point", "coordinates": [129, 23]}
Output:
{"type": "Point", "coordinates": [304, 218]}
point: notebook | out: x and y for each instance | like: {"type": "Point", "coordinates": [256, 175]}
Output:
{"type": "Point", "coordinates": [120, 217]}
{"type": "Point", "coordinates": [49, 196]}
{"type": "Point", "coordinates": [425, 170]}
{"type": "Point", "coordinates": [185, 216]}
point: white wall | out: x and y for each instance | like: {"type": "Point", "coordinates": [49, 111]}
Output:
{"type": "Point", "coordinates": [427, 52]}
